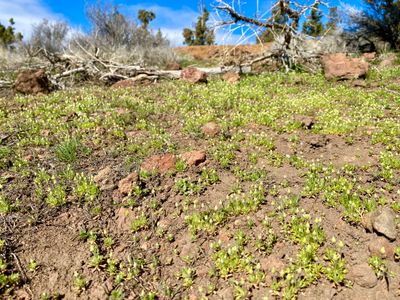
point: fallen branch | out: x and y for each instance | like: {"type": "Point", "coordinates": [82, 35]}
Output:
{"type": "Point", "coordinates": [5, 84]}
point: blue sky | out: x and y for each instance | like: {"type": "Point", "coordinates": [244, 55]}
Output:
{"type": "Point", "coordinates": [172, 16]}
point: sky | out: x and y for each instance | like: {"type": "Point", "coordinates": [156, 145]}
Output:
{"type": "Point", "coordinates": [171, 16]}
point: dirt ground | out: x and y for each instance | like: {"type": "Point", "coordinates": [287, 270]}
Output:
{"type": "Point", "coordinates": [220, 53]}
{"type": "Point", "coordinates": [123, 193]}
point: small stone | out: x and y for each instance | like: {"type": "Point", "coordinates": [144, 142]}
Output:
{"type": "Point", "coordinates": [193, 297]}
{"type": "Point", "coordinates": [369, 56]}
{"type": "Point", "coordinates": [226, 294]}
{"type": "Point", "coordinates": [103, 179]}
{"type": "Point", "coordinates": [363, 275]}
{"type": "Point", "coordinates": [159, 163]}
{"type": "Point", "coordinates": [388, 61]}
{"type": "Point", "coordinates": [173, 66]}
{"type": "Point", "coordinates": [382, 248]}
{"type": "Point", "coordinates": [211, 129]}
{"type": "Point", "coordinates": [194, 158]}
{"type": "Point", "coordinates": [271, 263]}
{"type": "Point", "coordinates": [366, 222]}
{"type": "Point", "coordinates": [306, 121]}
{"type": "Point", "coordinates": [231, 77]}
{"type": "Point", "coordinates": [384, 223]}
{"type": "Point", "coordinates": [359, 83]}
{"type": "Point", "coordinates": [125, 217]}
{"type": "Point", "coordinates": [126, 185]}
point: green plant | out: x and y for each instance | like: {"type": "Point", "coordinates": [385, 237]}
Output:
{"type": "Point", "coordinates": [139, 223]}
{"type": "Point", "coordinates": [336, 270]}
{"type": "Point", "coordinates": [56, 196]}
{"type": "Point", "coordinates": [379, 266]}
{"type": "Point", "coordinates": [33, 265]}
{"type": "Point", "coordinates": [68, 150]}
{"type": "Point", "coordinates": [79, 282]}
{"type": "Point", "coordinates": [187, 275]}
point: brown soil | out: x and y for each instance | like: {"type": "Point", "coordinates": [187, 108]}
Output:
{"type": "Point", "coordinates": [207, 53]}
{"type": "Point", "coordinates": [51, 236]}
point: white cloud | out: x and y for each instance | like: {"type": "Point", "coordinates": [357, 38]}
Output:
{"type": "Point", "coordinates": [25, 13]}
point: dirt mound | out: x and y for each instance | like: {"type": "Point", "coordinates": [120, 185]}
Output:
{"type": "Point", "coordinates": [219, 52]}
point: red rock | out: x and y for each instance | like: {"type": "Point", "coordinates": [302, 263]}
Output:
{"type": "Point", "coordinates": [194, 158]}
{"type": "Point", "coordinates": [126, 185]}
{"type": "Point", "coordinates": [211, 129]}
{"type": "Point", "coordinates": [193, 75]}
{"type": "Point", "coordinates": [339, 66]}
{"type": "Point", "coordinates": [32, 82]}
{"type": "Point", "coordinates": [159, 163]}
{"type": "Point", "coordinates": [231, 77]}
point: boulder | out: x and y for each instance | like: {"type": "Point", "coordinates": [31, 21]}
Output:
{"type": "Point", "coordinates": [193, 75]}
{"type": "Point", "coordinates": [32, 82]}
{"type": "Point", "coordinates": [231, 77]}
{"type": "Point", "coordinates": [339, 66]}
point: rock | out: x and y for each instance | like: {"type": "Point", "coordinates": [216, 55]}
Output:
{"type": "Point", "coordinates": [125, 217]}
{"type": "Point", "coordinates": [194, 158]}
{"type": "Point", "coordinates": [363, 275]}
{"type": "Point", "coordinates": [382, 248]}
{"type": "Point", "coordinates": [32, 82]}
{"type": "Point", "coordinates": [388, 61]}
{"type": "Point", "coordinates": [339, 66]}
{"type": "Point", "coordinates": [384, 223]}
{"type": "Point", "coordinates": [193, 75]}
{"type": "Point", "coordinates": [159, 163]}
{"type": "Point", "coordinates": [173, 67]}
{"type": "Point", "coordinates": [366, 222]}
{"type": "Point", "coordinates": [226, 294]}
{"type": "Point", "coordinates": [369, 56]}
{"type": "Point", "coordinates": [359, 83]}
{"type": "Point", "coordinates": [103, 179]}
{"type": "Point", "coordinates": [272, 263]}
{"type": "Point", "coordinates": [126, 185]}
{"type": "Point", "coordinates": [305, 121]}
{"type": "Point", "coordinates": [211, 129]}
{"type": "Point", "coordinates": [130, 83]}
{"type": "Point", "coordinates": [231, 77]}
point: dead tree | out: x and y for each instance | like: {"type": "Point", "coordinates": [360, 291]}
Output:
{"type": "Point", "coordinates": [286, 34]}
